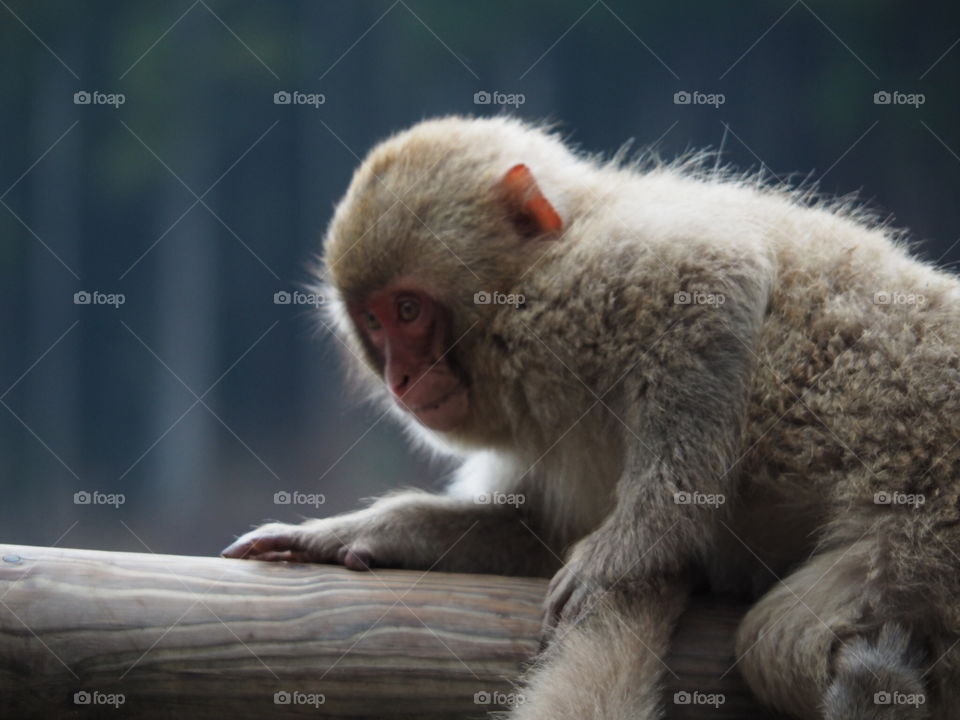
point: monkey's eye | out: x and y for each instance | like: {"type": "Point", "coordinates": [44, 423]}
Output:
{"type": "Point", "coordinates": [371, 320]}
{"type": "Point", "coordinates": [409, 309]}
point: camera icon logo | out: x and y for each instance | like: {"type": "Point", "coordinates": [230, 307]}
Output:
{"type": "Point", "coordinates": [482, 97]}
{"type": "Point", "coordinates": [682, 298]}
{"type": "Point", "coordinates": [282, 297]}
{"type": "Point", "coordinates": [881, 298]}
{"type": "Point", "coordinates": [682, 698]}
{"type": "Point", "coordinates": [81, 97]}
{"type": "Point", "coordinates": [682, 498]}
{"type": "Point", "coordinates": [882, 498]}
{"type": "Point", "coordinates": [882, 698]}
{"type": "Point", "coordinates": [882, 97]}
{"type": "Point", "coordinates": [281, 697]}
{"type": "Point", "coordinates": [81, 298]}
{"type": "Point", "coordinates": [82, 498]}
{"type": "Point", "coordinates": [483, 498]}
{"type": "Point", "coordinates": [282, 97]}
{"type": "Point", "coordinates": [482, 698]}
{"type": "Point", "coordinates": [82, 697]}
{"type": "Point", "coordinates": [282, 497]}
{"type": "Point", "coordinates": [482, 298]}
{"type": "Point", "coordinates": [682, 97]}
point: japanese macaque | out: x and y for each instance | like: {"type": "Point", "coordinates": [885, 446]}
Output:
{"type": "Point", "coordinates": [692, 380]}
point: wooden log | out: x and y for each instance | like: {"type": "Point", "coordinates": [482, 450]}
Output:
{"type": "Point", "coordinates": [84, 632]}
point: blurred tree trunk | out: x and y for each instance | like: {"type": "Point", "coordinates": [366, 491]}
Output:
{"type": "Point", "coordinates": [53, 210]}
{"type": "Point", "coordinates": [187, 272]}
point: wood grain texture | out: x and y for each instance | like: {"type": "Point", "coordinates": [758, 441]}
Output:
{"type": "Point", "coordinates": [210, 638]}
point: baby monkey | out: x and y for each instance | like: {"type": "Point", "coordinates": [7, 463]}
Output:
{"type": "Point", "coordinates": [692, 380]}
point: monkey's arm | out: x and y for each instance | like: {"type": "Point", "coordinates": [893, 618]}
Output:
{"type": "Point", "coordinates": [685, 408]}
{"type": "Point", "coordinates": [455, 532]}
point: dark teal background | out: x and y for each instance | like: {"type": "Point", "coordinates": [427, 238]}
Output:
{"type": "Point", "coordinates": [102, 198]}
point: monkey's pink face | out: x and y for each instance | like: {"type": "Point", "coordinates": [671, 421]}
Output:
{"type": "Point", "coordinates": [409, 334]}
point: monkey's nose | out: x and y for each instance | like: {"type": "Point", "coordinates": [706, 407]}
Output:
{"type": "Point", "coordinates": [400, 387]}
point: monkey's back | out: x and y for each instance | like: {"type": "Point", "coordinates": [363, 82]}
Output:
{"type": "Point", "coordinates": [855, 409]}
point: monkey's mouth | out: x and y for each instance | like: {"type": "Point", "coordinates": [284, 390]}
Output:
{"type": "Point", "coordinates": [444, 413]}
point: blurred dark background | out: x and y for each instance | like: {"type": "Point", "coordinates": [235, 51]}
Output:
{"type": "Point", "coordinates": [199, 197]}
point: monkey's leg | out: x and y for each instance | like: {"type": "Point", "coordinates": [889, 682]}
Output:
{"type": "Point", "coordinates": [415, 530]}
{"type": "Point", "coordinates": [813, 647]}
{"type": "Point", "coordinates": [608, 665]}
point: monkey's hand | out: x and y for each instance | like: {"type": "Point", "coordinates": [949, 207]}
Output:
{"type": "Point", "coordinates": [342, 540]}
{"type": "Point", "coordinates": [580, 585]}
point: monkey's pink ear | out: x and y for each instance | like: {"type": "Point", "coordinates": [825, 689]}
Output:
{"type": "Point", "coordinates": [533, 213]}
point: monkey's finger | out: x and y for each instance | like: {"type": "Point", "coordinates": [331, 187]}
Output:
{"type": "Point", "coordinates": [248, 547]}
{"type": "Point", "coordinates": [238, 549]}
{"type": "Point", "coordinates": [355, 558]}
{"type": "Point", "coordinates": [563, 588]}
{"type": "Point", "coordinates": [546, 637]}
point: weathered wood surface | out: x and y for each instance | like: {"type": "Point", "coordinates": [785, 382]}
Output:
{"type": "Point", "coordinates": [205, 637]}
